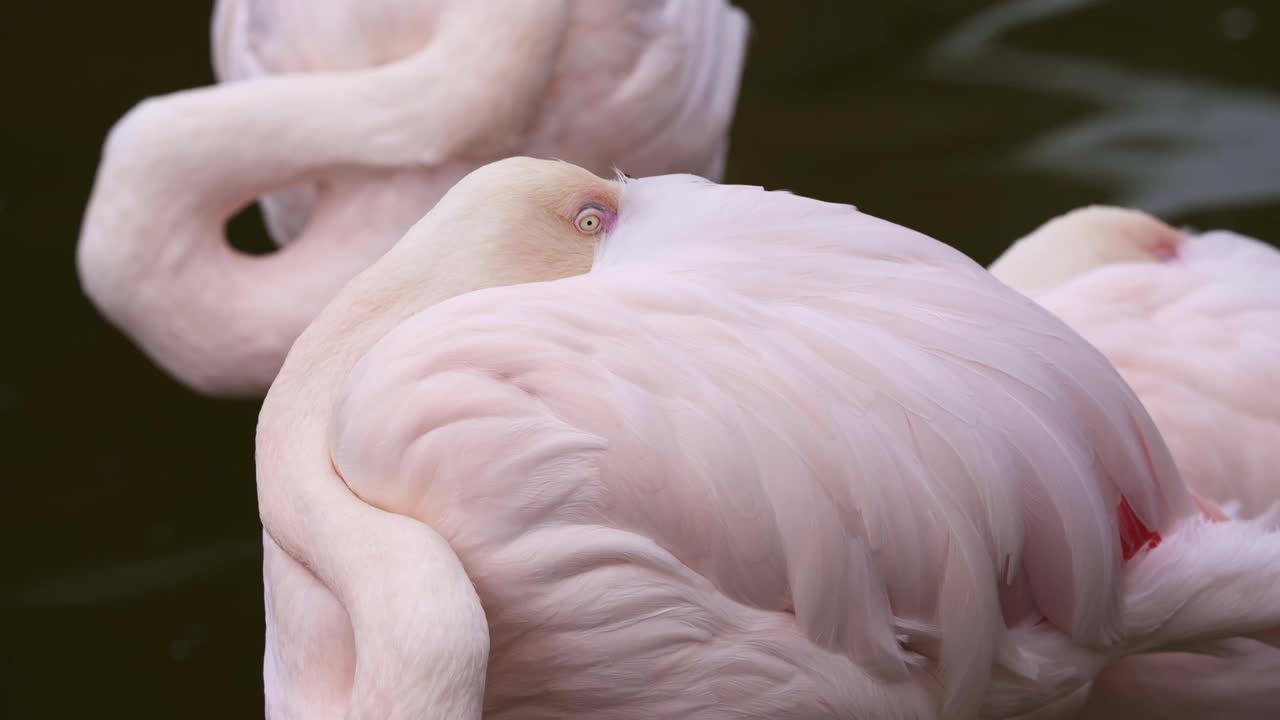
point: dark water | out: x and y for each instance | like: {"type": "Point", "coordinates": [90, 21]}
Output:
{"type": "Point", "coordinates": [132, 563]}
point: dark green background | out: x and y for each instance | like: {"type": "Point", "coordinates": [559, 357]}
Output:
{"type": "Point", "coordinates": [131, 575]}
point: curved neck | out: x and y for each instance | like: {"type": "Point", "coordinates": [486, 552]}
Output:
{"type": "Point", "coordinates": [421, 634]}
{"type": "Point", "coordinates": [153, 255]}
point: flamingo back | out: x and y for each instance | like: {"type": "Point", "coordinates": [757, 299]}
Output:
{"type": "Point", "coordinates": [1197, 337]}
{"type": "Point", "coordinates": [772, 457]}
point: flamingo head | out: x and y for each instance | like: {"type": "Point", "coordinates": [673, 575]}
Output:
{"type": "Point", "coordinates": [1084, 240]}
{"type": "Point", "coordinates": [516, 220]}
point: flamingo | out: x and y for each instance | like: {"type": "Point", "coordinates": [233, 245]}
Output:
{"type": "Point", "coordinates": [349, 120]}
{"type": "Point", "coordinates": [669, 448]}
{"type": "Point", "coordinates": [1192, 322]}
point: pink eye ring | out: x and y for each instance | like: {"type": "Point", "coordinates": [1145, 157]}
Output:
{"type": "Point", "coordinates": [590, 220]}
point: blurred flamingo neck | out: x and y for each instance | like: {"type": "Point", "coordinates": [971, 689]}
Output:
{"type": "Point", "coordinates": [152, 254]}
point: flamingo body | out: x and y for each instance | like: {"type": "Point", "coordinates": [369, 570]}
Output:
{"type": "Point", "coordinates": [770, 457]}
{"type": "Point", "coordinates": [1192, 322]}
{"type": "Point", "coordinates": [350, 120]}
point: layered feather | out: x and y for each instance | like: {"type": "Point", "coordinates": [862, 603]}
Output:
{"type": "Point", "coordinates": [1192, 322]}
{"type": "Point", "coordinates": [1198, 338]}
{"type": "Point", "coordinates": [775, 458]}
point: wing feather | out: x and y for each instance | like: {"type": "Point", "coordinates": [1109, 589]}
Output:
{"type": "Point", "coordinates": [1198, 341]}
{"type": "Point", "coordinates": [829, 419]}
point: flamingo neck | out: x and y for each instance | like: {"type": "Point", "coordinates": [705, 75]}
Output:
{"type": "Point", "coordinates": [421, 634]}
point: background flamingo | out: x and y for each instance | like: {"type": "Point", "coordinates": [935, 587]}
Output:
{"type": "Point", "coordinates": [353, 118]}
{"type": "Point", "coordinates": [771, 457]}
{"type": "Point", "coordinates": [1191, 321]}
{"type": "Point", "coordinates": [135, 548]}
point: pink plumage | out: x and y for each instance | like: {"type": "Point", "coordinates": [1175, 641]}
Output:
{"type": "Point", "coordinates": [771, 457]}
{"type": "Point", "coordinates": [350, 119]}
{"type": "Point", "coordinates": [1195, 333]}
{"type": "Point", "coordinates": [1192, 322]}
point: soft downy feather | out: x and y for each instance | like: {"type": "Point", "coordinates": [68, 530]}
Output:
{"type": "Point", "coordinates": [1197, 336]}
{"type": "Point", "coordinates": [1192, 322]}
{"type": "Point", "coordinates": [773, 457]}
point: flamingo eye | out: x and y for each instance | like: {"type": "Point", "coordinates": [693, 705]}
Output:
{"type": "Point", "coordinates": [590, 220]}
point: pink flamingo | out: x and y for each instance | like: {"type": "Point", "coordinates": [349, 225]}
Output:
{"type": "Point", "coordinates": [768, 457]}
{"type": "Point", "coordinates": [1192, 322]}
{"type": "Point", "coordinates": [349, 120]}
